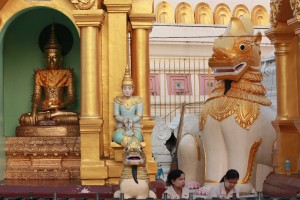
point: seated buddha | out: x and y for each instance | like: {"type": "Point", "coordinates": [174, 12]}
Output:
{"type": "Point", "coordinates": [53, 91]}
{"type": "Point", "coordinates": [128, 111]}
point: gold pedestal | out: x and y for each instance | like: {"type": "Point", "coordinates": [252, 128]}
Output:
{"type": "Point", "coordinates": [286, 145]}
{"type": "Point", "coordinates": [42, 158]}
{"type": "Point", "coordinates": [151, 166]}
{"type": "Point", "coordinates": [115, 164]}
{"type": "Point", "coordinates": [46, 131]}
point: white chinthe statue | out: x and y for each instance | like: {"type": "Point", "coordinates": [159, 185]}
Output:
{"type": "Point", "coordinates": [235, 125]}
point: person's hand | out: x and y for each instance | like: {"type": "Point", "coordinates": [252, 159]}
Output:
{"type": "Point", "coordinates": [201, 191]}
{"type": "Point", "coordinates": [128, 123]}
{"type": "Point", "coordinates": [124, 121]}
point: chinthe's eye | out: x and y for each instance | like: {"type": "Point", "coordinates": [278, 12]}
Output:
{"type": "Point", "coordinates": [242, 47]}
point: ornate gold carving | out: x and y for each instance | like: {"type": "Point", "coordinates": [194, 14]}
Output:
{"type": "Point", "coordinates": [128, 102]}
{"type": "Point", "coordinates": [84, 4]}
{"type": "Point", "coordinates": [243, 100]}
{"type": "Point", "coordinates": [251, 158]}
{"type": "Point", "coordinates": [245, 112]}
{"type": "Point", "coordinates": [42, 157]}
{"type": "Point", "coordinates": [37, 175]}
{"type": "Point", "coordinates": [295, 5]}
{"type": "Point", "coordinates": [275, 10]}
{"type": "Point", "coordinates": [47, 131]}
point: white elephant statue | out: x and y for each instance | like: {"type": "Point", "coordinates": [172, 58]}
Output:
{"type": "Point", "coordinates": [235, 125]}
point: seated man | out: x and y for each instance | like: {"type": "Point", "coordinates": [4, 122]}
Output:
{"type": "Point", "coordinates": [53, 82]}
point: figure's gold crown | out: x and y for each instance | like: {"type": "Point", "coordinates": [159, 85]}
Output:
{"type": "Point", "coordinates": [127, 80]}
{"type": "Point", "coordinates": [52, 44]}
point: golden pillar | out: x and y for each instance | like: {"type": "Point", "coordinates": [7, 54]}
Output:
{"type": "Point", "coordinates": [141, 25]}
{"type": "Point", "coordinates": [113, 71]}
{"type": "Point", "coordinates": [283, 38]}
{"type": "Point", "coordinates": [92, 170]}
{"type": "Point", "coordinates": [294, 139]}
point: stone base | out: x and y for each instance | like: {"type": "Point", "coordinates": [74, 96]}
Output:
{"type": "Point", "coordinates": [48, 131]}
{"type": "Point", "coordinates": [42, 158]}
{"type": "Point", "coordinates": [281, 185]}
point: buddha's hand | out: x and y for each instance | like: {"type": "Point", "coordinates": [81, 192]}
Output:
{"type": "Point", "coordinates": [55, 113]}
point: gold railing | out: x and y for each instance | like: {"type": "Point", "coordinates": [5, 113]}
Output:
{"type": "Point", "coordinates": [165, 101]}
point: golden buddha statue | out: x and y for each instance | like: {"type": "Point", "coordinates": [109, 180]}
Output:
{"type": "Point", "coordinates": [51, 84]}
{"type": "Point", "coordinates": [128, 111]}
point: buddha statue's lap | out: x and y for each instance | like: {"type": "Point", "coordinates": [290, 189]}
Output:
{"type": "Point", "coordinates": [52, 84]}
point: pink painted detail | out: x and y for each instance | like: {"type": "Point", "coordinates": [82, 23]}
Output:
{"type": "Point", "coordinates": [154, 84]}
{"type": "Point", "coordinates": [179, 84]}
{"type": "Point", "coordinates": [206, 83]}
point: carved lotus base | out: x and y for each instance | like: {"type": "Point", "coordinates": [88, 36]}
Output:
{"type": "Point", "coordinates": [48, 131]}
{"type": "Point", "coordinates": [42, 158]}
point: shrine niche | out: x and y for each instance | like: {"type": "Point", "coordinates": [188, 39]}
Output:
{"type": "Point", "coordinates": [203, 14]}
{"type": "Point", "coordinates": [42, 149]}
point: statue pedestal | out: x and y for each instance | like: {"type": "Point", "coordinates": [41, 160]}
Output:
{"type": "Point", "coordinates": [46, 130]}
{"type": "Point", "coordinates": [42, 158]}
{"type": "Point", "coordinates": [281, 185]}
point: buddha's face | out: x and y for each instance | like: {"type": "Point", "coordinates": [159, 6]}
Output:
{"type": "Point", "coordinates": [53, 59]}
{"type": "Point", "coordinates": [127, 90]}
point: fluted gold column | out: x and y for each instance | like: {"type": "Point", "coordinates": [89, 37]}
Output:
{"type": "Point", "coordinates": [140, 69]}
{"type": "Point", "coordinates": [92, 169]}
{"type": "Point", "coordinates": [283, 38]}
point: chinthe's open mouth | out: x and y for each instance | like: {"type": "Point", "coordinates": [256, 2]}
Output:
{"type": "Point", "coordinates": [236, 68]}
{"type": "Point", "coordinates": [133, 158]}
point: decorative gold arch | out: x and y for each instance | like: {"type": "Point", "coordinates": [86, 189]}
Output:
{"type": "Point", "coordinates": [65, 7]}
{"type": "Point", "coordinates": [222, 14]}
{"type": "Point", "coordinates": [240, 10]}
{"type": "Point", "coordinates": [184, 14]}
{"type": "Point", "coordinates": [260, 16]}
{"type": "Point", "coordinates": [164, 13]}
{"type": "Point", "coordinates": [203, 14]}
